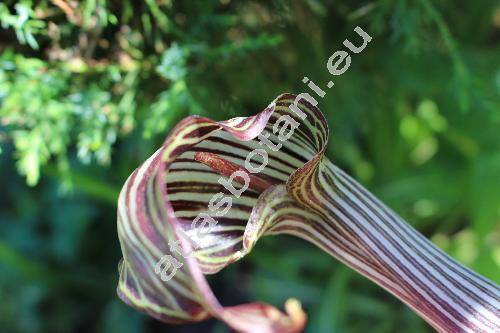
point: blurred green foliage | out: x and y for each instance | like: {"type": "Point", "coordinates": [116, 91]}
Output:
{"type": "Point", "coordinates": [89, 89]}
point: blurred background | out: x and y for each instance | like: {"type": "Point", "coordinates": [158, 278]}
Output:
{"type": "Point", "coordinates": [89, 89]}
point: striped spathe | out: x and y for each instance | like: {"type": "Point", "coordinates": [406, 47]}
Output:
{"type": "Point", "coordinates": [307, 197]}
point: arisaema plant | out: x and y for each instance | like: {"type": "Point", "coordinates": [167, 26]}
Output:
{"type": "Point", "coordinates": [203, 200]}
